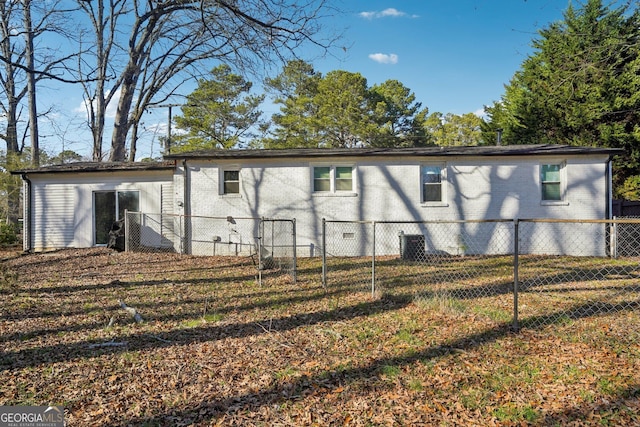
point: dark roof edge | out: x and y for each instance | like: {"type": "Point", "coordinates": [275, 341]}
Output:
{"type": "Point", "coordinates": [504, 150]}
{"type": "Point", "coordinates": [171, 159]}
{"type": "Point", "coordinates": [99, 167]}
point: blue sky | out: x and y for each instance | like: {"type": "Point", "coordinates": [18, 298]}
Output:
{"type": "Point", "coordinates": [455, 55]}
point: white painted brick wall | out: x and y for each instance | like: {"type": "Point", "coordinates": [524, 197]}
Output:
{"type": "Point", "coordinates": [481, 188]}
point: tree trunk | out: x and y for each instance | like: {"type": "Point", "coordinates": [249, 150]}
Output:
{"type": "Point", "coordinates": [121, 125]}
{"type": "Point", "coordinates": [31, 85]}
{"type": "Point", "coordinates": [97, 120]}
{"type": "Point", "coordinates": [133, 144]}
{"type": "Point", "coordinates": [121, 122]}
{"type": "Point", "coordinates": [11, 136]}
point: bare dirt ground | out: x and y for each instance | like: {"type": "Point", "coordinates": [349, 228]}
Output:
{"type": "Point", "coordinates": [215, 348]}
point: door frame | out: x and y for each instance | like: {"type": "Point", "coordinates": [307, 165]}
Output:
{"type": "Point", "coordinates": [116, 213]}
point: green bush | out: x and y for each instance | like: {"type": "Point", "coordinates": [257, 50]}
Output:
{"type": "Point", "coordinates": [630, 190]}
{"type": "Point", "coordinates": [9, 234]}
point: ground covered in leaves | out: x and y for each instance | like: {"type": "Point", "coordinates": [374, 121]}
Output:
{"type": "Point", "coordinates": [217, 348]}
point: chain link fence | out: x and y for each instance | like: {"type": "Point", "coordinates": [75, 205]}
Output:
{"type": "Point", "coordinates": [568, 270]}
{"type": "Point", "coordinates": [528, 272]}
{"type": "Point", "coordinates": [269, 243]}
{"type": "Point", "coordinates": [277, 246]}
{"type": "Point", "coordinates": [443, 263]}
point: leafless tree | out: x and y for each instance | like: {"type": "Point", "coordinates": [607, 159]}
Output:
{"type": "Point", "coordinates": [29, 57]}
{"type": "Point", "coordinates": [171, 42]}
{"type": "Point", "coordinates": [95, 66]}
{"type": "Point", "coordinates": [12, 78]}
{"type": "Point", "coordinates": [22, 23]}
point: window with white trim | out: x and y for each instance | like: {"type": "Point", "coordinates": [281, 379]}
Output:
{"type": "Point", "coordinates": [551, 182]}
{"type": "Point", "coordinates": [231, 181]}
{"type": "Point", "coordinates": [433, 179]}
{"type": "Point", "coordinates": [333, 179]}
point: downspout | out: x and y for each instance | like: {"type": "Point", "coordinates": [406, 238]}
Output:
{"type": "Point", "coordinates": [609, 207]}
{"type": "Point", "coordinates": [612, 227]}
{"type": "Point", "coordinates": [27, 222]}
{"type": "Point", "coordinates": [186, 210]}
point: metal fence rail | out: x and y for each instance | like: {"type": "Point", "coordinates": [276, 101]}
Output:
{"type": "Point", "coordinates": [270, 243]}
{"type": "Point", "coordinates": [528, 272]}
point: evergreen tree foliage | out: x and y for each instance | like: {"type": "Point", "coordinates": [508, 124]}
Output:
{"type": "Point", "coordinates": [399, 118]}
{"type": "Point", "coordinates": [580, 86]}
{"type": "Point", "coordinates": [220, 113]}
{"type": "Point", "coordinates": [452, 129]}
{"type": "Point", "coordinates": [294, 90]}
{"type": "Point", "coordinates": [339, 109]}
{"type": "Point", "coordinates": [343, 104]}
{"type": "Point", "coordinates": [630, 189]}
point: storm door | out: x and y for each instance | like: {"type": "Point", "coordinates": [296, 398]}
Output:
{"type": "Point", "coordinates": [109, 207]}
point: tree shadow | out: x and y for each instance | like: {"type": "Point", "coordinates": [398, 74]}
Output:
{"type": "Point", "coordinates": [142, 341]}
{"type": "Point", "coordinates": [293, 390]}
{"type": "Point", "coordinates": [318, 294]}
{"type": "Point", "coordinates": [621, 401]}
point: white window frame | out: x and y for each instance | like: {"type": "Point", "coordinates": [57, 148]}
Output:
{"type": "Point", "coordinates": [443, 184]}
{"type": "Point", "coordinates": [221, 189]}
{"type": "Point", "coordinates": [333, 190]}
{"type": "Point", "coordinates": [562, 183]}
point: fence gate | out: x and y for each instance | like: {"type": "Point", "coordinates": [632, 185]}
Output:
{"type": "Point", "coordinates": [277, 247]}
{"type": "Point", "coordinates": [271, 243]}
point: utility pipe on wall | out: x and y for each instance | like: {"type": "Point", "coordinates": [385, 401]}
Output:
{"type": "Point", "coordinates": [27, 244]}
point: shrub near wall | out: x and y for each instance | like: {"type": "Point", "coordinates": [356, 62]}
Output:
{"type": "Point", "coordinates": [9, 234]}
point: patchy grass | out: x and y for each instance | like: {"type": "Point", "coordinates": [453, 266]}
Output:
{"type": "Point", "coordinates": [217, 348]}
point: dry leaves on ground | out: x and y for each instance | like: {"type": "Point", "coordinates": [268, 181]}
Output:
{"type": "Point", "coordinates": [215, 348]}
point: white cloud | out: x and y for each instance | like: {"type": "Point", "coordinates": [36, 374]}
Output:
{"type": "Point", "coordinates": [384, 58]}
{"type": "Point", "coordinates": [111, 107]}
{"type": "Point", "coordinates": [389, 12]}
{"type": "Point", "coordinates": [367, 15]}
{"type": "Point", "coordinates": [480, 113]}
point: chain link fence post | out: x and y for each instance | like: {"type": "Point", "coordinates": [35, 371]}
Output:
{"type": "Point", "coordinates": [324, 254]}
{"type": "Point", "coordinates": [294, 238]}
{"type": "Point", "coordinates": [373, 259]}
{"type": "Point", "coordinates": [516, 263]}
{"type": "Point", "coordinates": [180, 235]}
{"type": "Point", "coordinates": [259, 250]}
{"type": "Point", "coordinates": [614, 239]}
{"type": "Point", "coordinates": [126, 230]}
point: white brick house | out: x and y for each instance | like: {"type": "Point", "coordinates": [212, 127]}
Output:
{"type": "Point", "coordinates": [410, 184]}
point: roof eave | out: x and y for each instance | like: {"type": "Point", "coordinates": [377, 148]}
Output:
{"type": "Point", "coordinates": [99, 167]}
{"type": "Point", "coordinates": [477, 151]}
